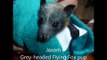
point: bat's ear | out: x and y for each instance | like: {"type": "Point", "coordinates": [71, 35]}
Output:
{"type": "Point", "coordinates": [68, 9]}
{"type": "Point", "coordinates": [42, 2]}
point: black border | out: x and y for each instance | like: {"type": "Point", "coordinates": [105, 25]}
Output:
{"type": "Point", "coordinates": [100, 29]}
{"type": "Point", "coordinates": [6, 29]}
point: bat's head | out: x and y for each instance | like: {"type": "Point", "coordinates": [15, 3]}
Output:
{"type": "Point", "coordinates": [52, 18]}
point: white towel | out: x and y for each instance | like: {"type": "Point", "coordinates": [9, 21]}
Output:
{"type": "Point", "coordinates": [64, 37]}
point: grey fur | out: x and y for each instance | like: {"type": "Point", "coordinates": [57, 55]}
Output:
{"type": "Point", "coordinates": [51, 15]}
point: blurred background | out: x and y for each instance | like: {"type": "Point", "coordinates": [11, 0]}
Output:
{"type": "Point", "coordinates": [85, 9]}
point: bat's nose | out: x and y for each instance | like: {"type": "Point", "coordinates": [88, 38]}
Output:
{"type": "Point", "coordinates": [42, 37]}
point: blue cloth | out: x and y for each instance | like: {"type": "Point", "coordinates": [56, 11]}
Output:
{"type": "Point", "coordinates": [85, 44]}
{"type": "Point", "coordinates": [25, 30]}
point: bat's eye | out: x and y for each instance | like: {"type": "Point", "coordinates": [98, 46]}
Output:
{"type": "Point", "coordinates": [55, 24]}
{"type": "Point", "coordinates": [40, 21]}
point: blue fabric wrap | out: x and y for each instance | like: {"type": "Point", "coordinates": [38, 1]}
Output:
{"type": "Point", "coordinates": [25, 30]}
{"type": "Point", "coordinates": [85, 44]}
